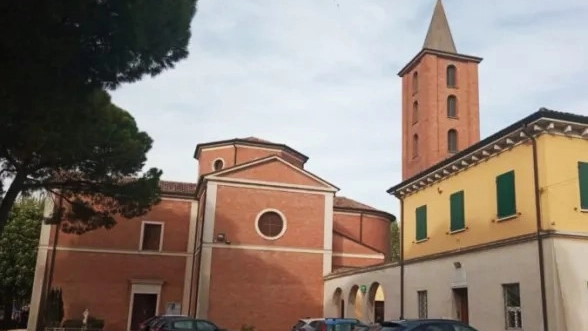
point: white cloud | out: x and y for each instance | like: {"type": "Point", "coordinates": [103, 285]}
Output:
{"type": "Point", "coordinates": [320, 76]}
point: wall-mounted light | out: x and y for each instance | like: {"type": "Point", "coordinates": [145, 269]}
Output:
{"type": "Point", "coordinates": [457, 264]}
{"type": "Point", "coordinates": [222, 238]}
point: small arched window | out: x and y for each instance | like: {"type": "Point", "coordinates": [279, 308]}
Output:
{"type": "Point", "coordinates": [452, 141]}
{"type": "Point", "coordinates": [451, 76]}
{"type": "Point", "coordinates": [415, 145]}
{"type": "Point", "coordinates": [452, 106]}
{"type": "Point", "coordinates": [415, 82]}
{"type": "Point", "coordinates": [415, 112]}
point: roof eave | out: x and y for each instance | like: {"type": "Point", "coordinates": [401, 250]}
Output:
{"type": "Point", "coordinates": [542, 121]}
{"type": "Point", "coordinates": [453, 56]}
{"type": "Point", "coordinates": [244, 142]}
{"type": "Point", "coordinates": [389, 216]}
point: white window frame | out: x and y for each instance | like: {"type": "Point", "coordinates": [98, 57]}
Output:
{"type": "Point", "coordinates": [284, 222]}
{"type": "Point", "coordinates": [143, 287]}
{"type": "Point", "coordinates": [214, 161]}
{"type": "Point", "coordinates": [517, 310]}
{"type": "Point", "coordinates": [423, 294]}
{"type": "Point", "coordinates": [143, 234]}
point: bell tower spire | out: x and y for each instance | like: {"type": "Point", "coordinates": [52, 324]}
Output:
{"type": "Point", "coordinates": [439, 36]}
{"type": "Point", "coordinates": [440, 100]}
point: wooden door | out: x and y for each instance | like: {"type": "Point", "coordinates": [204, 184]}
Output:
{"type": "Point", "coordinates": [460, 296]}
{"type": "Point", "coordinates": [378, 311]}
{"type": "Point", "coordinates": [144, 306]}
{"type": "Point", "coordinates": [342, 309]}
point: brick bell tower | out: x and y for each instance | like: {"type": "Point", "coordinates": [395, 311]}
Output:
{"type": "Point", "coordinates": [440, 100]}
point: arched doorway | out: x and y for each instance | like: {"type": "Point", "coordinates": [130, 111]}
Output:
{"type": "Point", "coordinates": [355, 305]}
{"type": "Point", "coordinates": [339, 302]}
{"type": "Point", "coordinates": [376, 302]}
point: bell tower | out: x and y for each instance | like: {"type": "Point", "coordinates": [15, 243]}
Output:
{"type": "Point", "coordinates": [440, 100]}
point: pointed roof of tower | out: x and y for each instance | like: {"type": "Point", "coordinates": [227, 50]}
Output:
{"type": "Point", "coordinates": [439, 36]}
{"type": "Point", "coordinates": [439, 42]}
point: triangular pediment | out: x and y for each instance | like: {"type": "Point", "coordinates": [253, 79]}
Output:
{"type": "Point", "coordinates": [276, 170]}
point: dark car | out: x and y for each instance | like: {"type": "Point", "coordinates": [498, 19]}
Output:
{"type": "Point", "coordinates": [149, 323]}
{"type": "Point", "coordinates": [185, 323]}
{"type": "Point", "coordinates": [422, 325]}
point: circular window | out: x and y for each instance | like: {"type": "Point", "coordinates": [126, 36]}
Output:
{"type": "Point", "coordinates": [270, 224]}
{"type": "Point", "coordinates": [218, 164]}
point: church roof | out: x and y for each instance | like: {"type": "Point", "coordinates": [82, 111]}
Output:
{"type": "Point", "coordinates": [177, 188]}
{"type": "Point", "coordinates": [439, 36]}
{"type": "Point", "coordinates": [252, 141]}
{"type": "Point", "coordinates": [349, 204]}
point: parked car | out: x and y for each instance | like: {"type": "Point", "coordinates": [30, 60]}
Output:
{"type": "Point", "coordinates": [422, 325]}
{"type": "Point", "coordinates": [326, 324]}
{"type": "Point", "coordinates": [306, 324]}
{"type": "Point", "coordinates": [363, 327]}
{"type": "Point", "coordinates": [185, 323]}
{"type": "Point", "coordinates": [336, 324]}
{"type": "Point", "coordinates": [148, 324]}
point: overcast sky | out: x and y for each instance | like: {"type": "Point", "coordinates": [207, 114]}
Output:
{"type": "Point", "coordinates": [320, 76]}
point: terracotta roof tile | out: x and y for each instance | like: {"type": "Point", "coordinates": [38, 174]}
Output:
{"type": "Point", "coordinates": [343, 202]}
{"type": "Point", "coordinates": [181, 188]}
{"type": "Point", "coordinates": [257, 140]}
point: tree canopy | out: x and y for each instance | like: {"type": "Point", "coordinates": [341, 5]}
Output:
{"type": "Point", "coordinates": [62, 45]}
{"type": "Point", "coordinates": [18, 250]}
{"type": "Point", "coordinates": [90, 153]}
{"type": "Point", "coordinates": [58, 128]}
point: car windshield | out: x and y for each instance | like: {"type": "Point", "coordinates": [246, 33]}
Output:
{"type": "Point", "coordinates": [391, 326]}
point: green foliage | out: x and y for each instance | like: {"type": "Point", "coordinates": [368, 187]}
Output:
{"type": "Point", "coordinates": [394, 242]}
{"type": "Point", "coordinates": [18, 249]}
{"type": "Point", "coordinates": [54, 308]}
{"type": "Point", "coordinates": [59, 45]}
{"type": "Point", "coordinates": [55, 118]}
{"type": "Point", "coordinates": [89, 153]}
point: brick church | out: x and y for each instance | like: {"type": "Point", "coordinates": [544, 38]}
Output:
{"type": "Point", "coordinates": [249, 243]}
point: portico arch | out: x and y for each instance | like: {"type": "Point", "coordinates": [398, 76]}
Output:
{"type": "Point", "coordinates": [339, 302]}
{"type": "Point", "coordinates": [376, 302]}
{"type": "Point", "coordinates": [355, 303]}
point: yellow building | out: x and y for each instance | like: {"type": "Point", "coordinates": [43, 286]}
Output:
{"type": "Point", "coordinates": [494, 233]}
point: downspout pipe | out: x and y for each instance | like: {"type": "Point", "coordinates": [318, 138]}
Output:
{"type": "Point", "coordinates": [193, 263]}
{"type": "Point", "coordinates": [539, 218]}
{"type": "Point", "coordinates": [198, 251]}
{"type": "Point", "coordinates": [401, 258]}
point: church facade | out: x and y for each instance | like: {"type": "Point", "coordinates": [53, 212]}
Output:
{"type": "Point", "coordinates": [249, 243]}
{"type": "Point", "coordinates": [493, 231]}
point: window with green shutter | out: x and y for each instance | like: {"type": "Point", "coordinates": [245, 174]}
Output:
{"type": "Point", "coordinates": [506, 195]}
{"type": "Point", "coordinates": [583, 179]}
{"type": "Point", "coordinates": [457, 211]}
{"type": "Point", "coordinates": [421, 223]}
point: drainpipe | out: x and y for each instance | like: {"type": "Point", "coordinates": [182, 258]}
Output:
{"type": "Point", "coordinates": [234, 155]}
{"type": "Point", "coordinates": [199, 258]}
{"type": "Point", "coordinates": [401, 258]}
{"type": "Point", "coordinates": [193, 261]}
{"type": "Point", "coordinates": [539, 228]}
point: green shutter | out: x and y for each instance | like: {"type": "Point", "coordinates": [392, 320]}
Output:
{"type": "Point", "coordinates": [505, 194]}
{"type": "Point", "coordinates": [421, 223]}
{"type": "Point", "coordinates": [456, 203]}
{"type": "Point", "coordinates": [583, 179]}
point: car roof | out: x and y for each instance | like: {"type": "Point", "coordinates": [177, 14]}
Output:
{"type": "Point", "coordinates": [411, 322]}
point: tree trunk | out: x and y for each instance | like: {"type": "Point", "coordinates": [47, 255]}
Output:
{"type": "Point", "coordinates": [10, 197]}
{"type": "Point", "coordinates": [7, 301]}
